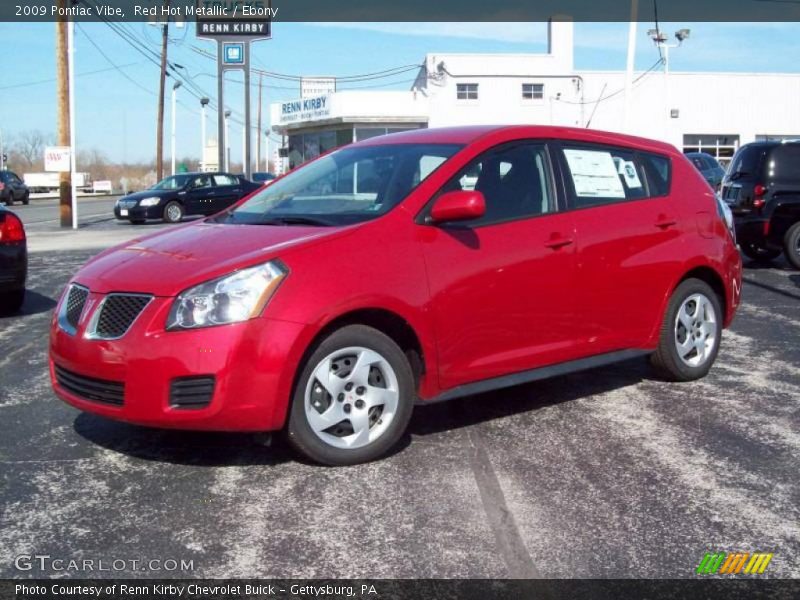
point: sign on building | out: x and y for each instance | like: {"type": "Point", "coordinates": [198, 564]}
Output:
{"type": "Point", "coordinates": [305, 109]}
{"type": "Point", "coordinates": [317, 86]}
{"type": "Point", "coordinates": [57, 159]}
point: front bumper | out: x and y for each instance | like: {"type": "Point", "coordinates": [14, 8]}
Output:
{"type": "Point", "coordinates": [137, 213]}
{"type": "Point", "coordinates": [13, 266]}
{"type": "Point", "coordinates": [253, 364]}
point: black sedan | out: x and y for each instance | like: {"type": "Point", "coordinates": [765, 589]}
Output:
{"type": "Point", "coordinates": [13, 189]}
{"type": "Point", "coordinates": [184, 194]}
{"type": "Point", "coordinates": [13, 261]}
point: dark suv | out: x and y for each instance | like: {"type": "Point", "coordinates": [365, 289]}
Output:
{"type": "Point", "coordinates": [762, 187]}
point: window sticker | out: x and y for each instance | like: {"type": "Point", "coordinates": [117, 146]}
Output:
{"type": "Point", "coordinates": [594, 174]}
{"type": "Point", "coordinates": [627, 169]}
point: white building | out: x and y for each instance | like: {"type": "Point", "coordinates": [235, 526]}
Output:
{"type": "Point", "coordinates": [712, 112]}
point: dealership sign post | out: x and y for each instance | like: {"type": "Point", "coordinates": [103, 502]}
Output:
{"type": "Point", "coordinates": [234, 25]}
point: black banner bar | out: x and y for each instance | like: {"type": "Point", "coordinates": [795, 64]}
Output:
{"type": "Point", "coordinates": [407, 10]}
{"type": "Point", "coordinates": [422, 589]}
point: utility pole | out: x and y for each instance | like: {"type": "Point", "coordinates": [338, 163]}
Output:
{"type": "Point", "coordinates": [63, 93]}
{"type": "Point", "coordinates": [258, 137]}
{"type": "Point", "coordinates": [175, 87]}
{"type": "Point", "coordinates": [162, 85]}
{"type": "Point", "coordinates": [203, 103]}
{"type": "Point", "coordinates": [629, 66]}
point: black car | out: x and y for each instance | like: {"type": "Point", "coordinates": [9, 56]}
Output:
{"type": "Point", "coordinates": [762, 187]}
{"type": "Point", "coordinates": [263, 177]}
{"type": "Point", "coordinates": [13, 261]}
{"type": "Point", "coordinates": [13, 189]}
{"type": "Point", "coordinates": [184, 194]}
{"type": "Point", "coordinates": [708, 166]}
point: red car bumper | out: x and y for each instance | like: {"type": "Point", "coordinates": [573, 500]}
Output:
{"type": "Point", "coordinates": [252, 363]}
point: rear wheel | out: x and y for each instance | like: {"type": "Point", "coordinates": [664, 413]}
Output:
{"type": "Point", "coordinates": [690, 333]}
{"type": "Point", "coordinates": [759, 253]}
{"type": "Point", "coordinates": [173, 212]}
{"type": "Point", "coordinates": [353, 399]}
{"type": "Point", "coordinates": [791, 245]}
{"type": "Point", "coordinates": [11, 302]}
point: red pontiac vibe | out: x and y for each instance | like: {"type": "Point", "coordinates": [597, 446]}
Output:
{"type": "Point", "coordinates": [419, 266]}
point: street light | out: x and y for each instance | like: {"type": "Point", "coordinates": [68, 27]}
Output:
{"type": "Point", "coordinates": [203, 103]}
{"type": "Point", "coordinates": [175, 87]}
{"type": "Point", "coordinates": [660, 40]}
{"type": "Point", "coordinates": [227, 143]}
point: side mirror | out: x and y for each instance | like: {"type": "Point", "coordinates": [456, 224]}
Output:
{"type": "Point", "coordinates": [458, 206]}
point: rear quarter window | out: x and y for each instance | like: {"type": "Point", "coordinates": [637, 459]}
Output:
{"type": "Point", "coordinates": [783, 163]}
{"type": "Point", "coordinates": [658, 170]}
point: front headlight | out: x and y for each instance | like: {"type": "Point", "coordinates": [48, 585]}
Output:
{"type": "Point", "coordinates": [153, 201]}
{"type": "Point", "coordinates": [231, 299]}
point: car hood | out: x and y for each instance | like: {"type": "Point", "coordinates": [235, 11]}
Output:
{"type": "Point", "coordinates": [169, 262]}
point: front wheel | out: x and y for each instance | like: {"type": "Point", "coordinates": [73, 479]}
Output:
{"type": "Point", "coordinates": [26, 199]}
{"type": "Point", "coordinates": [690, 334]}
{"type": "Point", "coordinates": [173, 212]}
{"type": "Point", "coordinates": [353, 399]}
{"type": "Point", "coordinates": [759, 253]}
{"type": "Point", "coordinates": [791, 245]}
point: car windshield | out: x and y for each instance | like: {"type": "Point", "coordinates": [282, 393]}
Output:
{"type": "Point", "coordinates": [347, 186]}
{"type": "Point", "coordinates": [175, 182]}
{"type": "Point", "coordinates": [261, 177]}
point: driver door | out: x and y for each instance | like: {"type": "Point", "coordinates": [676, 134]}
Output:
{"type": "Point", "coordinates": [503, 286]}
{"type": "Point", "coordinates": [200, 196]}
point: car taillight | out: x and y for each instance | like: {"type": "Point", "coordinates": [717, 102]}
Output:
{"type": "Point", "coordinates": [759, 191]}
{"type": "Point", "coordinates": [2, 186]}
{"type": "Point", "coordinates": [11, 230]}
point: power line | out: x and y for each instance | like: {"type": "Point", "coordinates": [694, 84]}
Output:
{"type": "Point", "coordinates": [84, 74]}
{"type": "Point", "coordinates": [619, 91]}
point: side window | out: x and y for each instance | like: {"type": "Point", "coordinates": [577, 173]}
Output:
{"type": "Point", "coordinates": [221, 180]}
{"type": "Point", "coordinates": [514, 179]}
{"type": "Point", "coordinates": [699, 164]}
{"type": "Point", "coordinates": [604, 176]}
{"type": "Point", "coordinates": [658, 171]}
{"type": "Point", "coordinates": [204, 181]}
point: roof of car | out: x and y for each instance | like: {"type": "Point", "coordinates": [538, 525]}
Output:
{"type": "Point", "coordinates": [469, 134]}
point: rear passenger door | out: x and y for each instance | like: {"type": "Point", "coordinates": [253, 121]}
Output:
{"type": "Point", "coordinates": [228, 191]}
{"type": "Point", "coordinates": [628, 232]}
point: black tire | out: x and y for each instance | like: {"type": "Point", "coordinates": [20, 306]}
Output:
{"type": "Point", "coordinates": [10, 200]}
{"type": "Point", "coordinates": [791, 245]}
{"type": "Point", "coordinates": [11, 302]}
{"type": "Point", "coordinates": [666, 359]}
{"type": "Point", "coordinates": [26, 199]}
{"type": "Point", "coordinates": [299, 431]}
{"type": "Point", "coordinates": [759, 253]}
{"type": "Point", "coordinates": [173, 212]}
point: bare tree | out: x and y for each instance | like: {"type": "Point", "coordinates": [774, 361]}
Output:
{"type": "Point", "coordinates": [30, 146]}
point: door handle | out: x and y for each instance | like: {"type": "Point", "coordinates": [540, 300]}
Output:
{"type": "Point", "coordinates": [665, 222]}
{"type": "Point", "coordinates": [557, 241]}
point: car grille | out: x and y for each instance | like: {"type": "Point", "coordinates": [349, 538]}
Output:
{"type": "Point", "coordinates": [89, 388]}
{"type": "Point", "coordinates": [76, 299]}
{"type": "Point", "coordinates": [116, 314]}
{"type": "Point", "coordinates": [191, 392]}
{"type": "Point", "coordinates": [127, 203]}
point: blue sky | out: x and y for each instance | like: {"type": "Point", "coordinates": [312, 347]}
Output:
{"type": "Point", "coordinates": [117, 116]}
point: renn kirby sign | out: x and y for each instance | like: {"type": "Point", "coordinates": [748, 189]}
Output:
{"type": "Point", "coordinates": [305, 109]}
{"type": "Point", "coordinates": [250, 19]}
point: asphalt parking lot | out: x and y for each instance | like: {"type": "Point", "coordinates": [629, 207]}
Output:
{"type": "Point", "coordinates": [607, 473]}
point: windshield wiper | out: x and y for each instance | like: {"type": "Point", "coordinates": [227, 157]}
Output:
{"type": "Point", "coordinates": [738, 174]}
{"type": "Point", "coordinates": [292, 220]}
